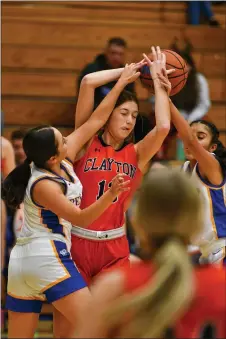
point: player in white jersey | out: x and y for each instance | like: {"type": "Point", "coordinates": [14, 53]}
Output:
{"type": "Point", "coordinates": [207, 163]}
{"type": "Point", "coordinates": [40, 266]}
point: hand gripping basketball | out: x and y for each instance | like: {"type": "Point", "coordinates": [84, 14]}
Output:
{"type": "Point", "coordinates": [171, 62]}
{"type": "Point", "coordinates": [158, 63]}
{"type": "Point", "coordinates": [165, 81]}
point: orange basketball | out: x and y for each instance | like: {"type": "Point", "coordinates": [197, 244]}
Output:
{"type": "Point", "coordinates": [178, 78]}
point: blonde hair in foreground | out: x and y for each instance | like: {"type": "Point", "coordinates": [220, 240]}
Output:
{"type": "Point", "coordinates": [168, 210]}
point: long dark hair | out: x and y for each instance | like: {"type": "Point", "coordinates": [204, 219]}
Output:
{"type": "Point", "coordinates": [187, 98]}
{"type": "Point", "coordinates": [220, 151]}
{"type": "Point", "coordinates": [39, 145]}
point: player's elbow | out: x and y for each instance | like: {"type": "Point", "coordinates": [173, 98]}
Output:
{"type": "Point", "coordinates": [86, 80]}
{"type": "Point", "coordinates": [163, 130]}
{"type": "Point", "coordinates": [80, 220]}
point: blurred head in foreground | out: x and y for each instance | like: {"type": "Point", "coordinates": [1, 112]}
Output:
{"type": "Point", "coordinates": [168, 215]}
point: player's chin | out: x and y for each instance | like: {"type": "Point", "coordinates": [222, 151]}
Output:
{"type": "Point", "coordinates": [123, 134]}
{"type": "Point", "coordinates": [64, 153]}
{"type": "Point", "coordinates": [188, 155]}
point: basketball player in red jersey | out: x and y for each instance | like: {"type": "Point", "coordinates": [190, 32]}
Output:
{"type": "Point", "coordinates": [165, 295]}
{"type": "Point", "coordinates": [104, 244]}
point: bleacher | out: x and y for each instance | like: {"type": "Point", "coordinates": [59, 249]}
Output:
{"type": "Point", "coordinates": [46, 44]}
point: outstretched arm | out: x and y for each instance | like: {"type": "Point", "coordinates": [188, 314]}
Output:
{"type": "Point", "coordinates": [84, 133]}
{"type": "Point", "coordinates": [151, 143]}
{"type": "Point", "coordinates": [88, 85]}
{"type": "Point", "coordinates": [208, 165]}
{"type": "Point", "coordinates": [49, 194]}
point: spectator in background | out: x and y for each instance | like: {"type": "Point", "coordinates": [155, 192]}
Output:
{"type": "Point", "coordinates": [11, 220]}
{"type": "Point", "coordinates": [7, 165]}
{"type": "Point", "coordinates": [3, 284]}
{"type": "Point", "coordinates": [114, 57]}
{"type": "Point", "coordinates": [193, 100]}
{"type": "Point", "coordinates": [196, 8]}
{"type": "Point", "coordinates": [3, 231]}
{"type": "Point", "coordinates": [17, 142]}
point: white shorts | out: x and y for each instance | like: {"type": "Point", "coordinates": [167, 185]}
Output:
{"type": "Point", "coordinates": [40, 270]}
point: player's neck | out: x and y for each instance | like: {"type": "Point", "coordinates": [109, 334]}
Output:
{"type": "Point", "coordinates": [56, 169]}
{"type": "Point", "coordinates": [110, 140]}
{"type": "Point", "coordinates": [192, 164]}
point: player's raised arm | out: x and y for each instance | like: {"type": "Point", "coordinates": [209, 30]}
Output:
{"type": "Point", "coordinates": [209, 165]}
{"type": "Point", "coordinates": [149, 146]}
{"type": "Point", "coordinates": [84, 133]}
{"type": "Point", "coordinates": [89, 83]}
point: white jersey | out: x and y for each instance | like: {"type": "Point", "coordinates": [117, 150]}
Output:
{"type": "Point", "coordinates": [213, 238]}
{"type": "Point", "coordinates": [40, 222]}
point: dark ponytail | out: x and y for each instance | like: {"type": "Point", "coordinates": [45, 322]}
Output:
{"type": "Point", "coordinates": [221, 154]}
{"type": "Point", "coordinates": [220, 151]}
{"type": "Point", "coordinates": [39, 145]}
{"type": "Point", "coordinates": [14, 186]}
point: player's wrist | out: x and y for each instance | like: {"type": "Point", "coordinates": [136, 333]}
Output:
{"type": "Point", "coordinates": [157, 83]}
{"type": "Point", "coordinates": [155, 79]}
{"type": "Point", "coordinates": [122, 83]}
{"type": "Point", "coordinates": [112, 194]}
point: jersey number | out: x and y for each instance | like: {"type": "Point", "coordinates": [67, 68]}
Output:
{"type": "Point", "coordinates": [101, 189]}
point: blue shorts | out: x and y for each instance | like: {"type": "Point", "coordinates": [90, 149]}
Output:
{"type": "Point", "coordinates": [38, 271]}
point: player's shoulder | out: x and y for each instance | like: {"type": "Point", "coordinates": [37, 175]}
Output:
{"type": "Point", "coordinates": [125, 147]}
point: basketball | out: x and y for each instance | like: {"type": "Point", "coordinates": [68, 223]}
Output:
{"type": "Point", "coordinates": [178, 78]}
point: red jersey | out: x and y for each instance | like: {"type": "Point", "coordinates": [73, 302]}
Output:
{"type": "Point", "coordinates": [207, 307]}
{"type": "Point", "coordinates": [96, 169]}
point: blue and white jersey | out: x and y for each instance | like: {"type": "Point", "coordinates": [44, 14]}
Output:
{"type": "Point", "coordinates": [213, 237]}
{"type": "Point", "coordinates": [39, 222]}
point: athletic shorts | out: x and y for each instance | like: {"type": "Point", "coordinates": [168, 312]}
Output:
{"type": "Point", "coordinates": [38, 271]}
{"type": "Point", "coordinates": [93, 257]}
